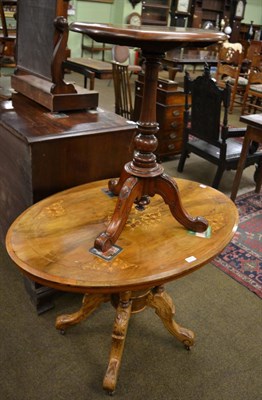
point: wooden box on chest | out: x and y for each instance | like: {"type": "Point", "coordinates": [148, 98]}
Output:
{"type": "Point", "coordinates": [169, 112]}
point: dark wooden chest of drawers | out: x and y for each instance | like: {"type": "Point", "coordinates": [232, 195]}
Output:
{"type": "Point", "coordinates": [41, 154]}
{"type": "Point", "coordinates": [169, 113]}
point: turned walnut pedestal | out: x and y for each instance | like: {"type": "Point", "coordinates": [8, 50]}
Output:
{"type": "Point", "coordinates": [50, 243]}
{"type": "Point", "coordinates": [143, 177]}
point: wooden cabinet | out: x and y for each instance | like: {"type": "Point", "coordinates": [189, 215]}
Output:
{"type": "Point", "coordinates": [7, 32]}
{"type": "Point", "coordinates": [155, 12]}
{"type": "Point", "coordinates": [169, 111]}
{"type": "Point", "coordinates": [210, 11]}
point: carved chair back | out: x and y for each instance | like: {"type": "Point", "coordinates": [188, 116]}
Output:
{"type": "Point", "coordinates": [252, 101]}
{"type": "Point", "coordinates": [207, 101]}
{"type": "Point", "coordinates": [228, 70]}
{"type": "Point", "coordinates": [120, 54]}
{"type": "Point", "coordinates": [254, 48]}
{"type": "Point", "coordinates": [230, 54]}
{"type": "Point", "coordinates": [203, 133]}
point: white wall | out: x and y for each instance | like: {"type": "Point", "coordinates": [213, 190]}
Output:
{"type": "Point", "coordinates": [89, 11]}
{"type": "Point", "coordinates": [253, 12]}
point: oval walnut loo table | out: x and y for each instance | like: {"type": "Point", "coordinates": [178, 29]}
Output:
{"type": "Point", "coordinates": [68, 241]}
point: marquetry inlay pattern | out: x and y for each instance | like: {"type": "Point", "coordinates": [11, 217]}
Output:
{"type": "Point", "coordinates": [147, 218]}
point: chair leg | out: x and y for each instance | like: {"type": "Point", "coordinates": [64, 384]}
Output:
{"type": "Point", "coordinates": [231, 104]}
{"type": "Point", "coordinates": [182, 161]}
{"type": "Point", "coordinates": [258, 177]}
{"type": "Point", "coordinates": [245, 99]}
{"type": "Point", "coordinates": [218, 176]}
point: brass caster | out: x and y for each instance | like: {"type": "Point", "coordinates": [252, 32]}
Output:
{"type": "Point", "coordinates": [110, 393]}
{"type": "Point", "coordinates": [187, 346]}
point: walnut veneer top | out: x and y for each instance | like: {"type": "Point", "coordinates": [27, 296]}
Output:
{"type": "Point", "coordinates": [50, 241]}
{"type": "Point", "coordinates": [150, 38]}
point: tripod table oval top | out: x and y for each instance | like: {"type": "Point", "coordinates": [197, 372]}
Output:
{"type": "Point", "coordinates": [148, 37]}
{"type": "Point", "coordinates": [51, 241]}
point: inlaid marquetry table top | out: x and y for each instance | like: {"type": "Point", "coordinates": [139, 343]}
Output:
{"type": "Point", "coordinates": [50, 241]}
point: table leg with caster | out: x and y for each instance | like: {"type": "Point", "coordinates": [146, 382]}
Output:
{"type": "Point", "coordinates": [123, 313]}
{"type": "Point", "coordinates": [89, 304]}
{"type": "Point", "coordinates": [165, 309]}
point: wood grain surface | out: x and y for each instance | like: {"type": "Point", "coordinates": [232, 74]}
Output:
{"type": "Point", "coordinates": [50, 241]}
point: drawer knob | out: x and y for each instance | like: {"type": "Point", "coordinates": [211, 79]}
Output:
{"type": "Point", "coordinates": [174, 125]}
{"type": "Point", "coordinates": [171, 146]}
{"type": "Point", "coordinates": [172, 135]}
{"type": "Point", "coordinates": [176, 113]}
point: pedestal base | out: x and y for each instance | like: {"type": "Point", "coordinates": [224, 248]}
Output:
{"type": "Point", "coordinates": [127, 303]}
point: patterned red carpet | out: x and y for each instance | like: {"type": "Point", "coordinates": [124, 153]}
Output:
{"type": "Point", "coordinates": [242, 258]}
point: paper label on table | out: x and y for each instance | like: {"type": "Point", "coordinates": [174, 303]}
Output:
{"type": "Point", "coordinates": [107, 255]}
{"type": "Point", "coordinates": [108, 192]}
{"type": "Point", "coordinates": [190, 259]}
{"type": "Point", "coordinates": [207, 234]}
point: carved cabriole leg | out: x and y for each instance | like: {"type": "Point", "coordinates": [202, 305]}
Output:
{"type": "Point", "coordinates": [123, 313]}
{"type": "Point", "coordinates": [131, 189]}
{"type": "Point", "coordinates": [115, 185]}
{"type": "Point", "coordinates": [167, 188]}
{"type": "Point", "coordinates": [165, 309]}
{"type": "Point", "coordinates": [89, 304]}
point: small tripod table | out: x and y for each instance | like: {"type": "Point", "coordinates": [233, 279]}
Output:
{"type": "Point", "coordinates": [51, 241]}
{"type": "Point", "coordinates": [143, 177]}
{"type": "Point", "coordinates": [253, 133]}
